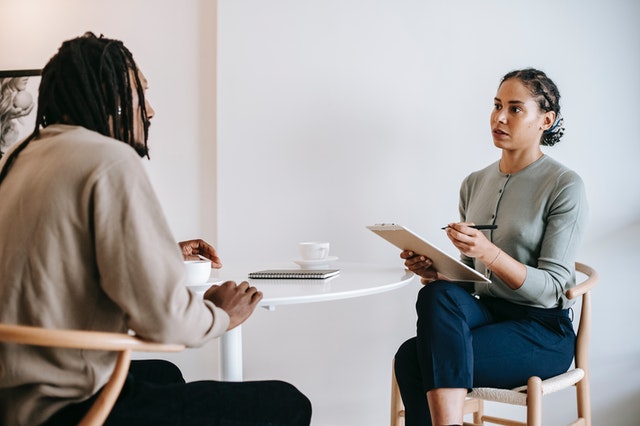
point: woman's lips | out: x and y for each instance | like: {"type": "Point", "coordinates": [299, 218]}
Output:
{"type": "Point", "coordinates": [499, 133]}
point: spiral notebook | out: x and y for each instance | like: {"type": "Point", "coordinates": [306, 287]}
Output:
{"type": "Point", "coordinates": [296, 274]}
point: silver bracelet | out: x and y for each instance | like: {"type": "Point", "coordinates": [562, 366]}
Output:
{"type": "Point", "coordinates": [494, 259]}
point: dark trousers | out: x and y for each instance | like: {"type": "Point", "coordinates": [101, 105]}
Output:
{"type": "Point", "coordinates": [156, 394]}
{"type": "Point", "coordinates": [465, 342]}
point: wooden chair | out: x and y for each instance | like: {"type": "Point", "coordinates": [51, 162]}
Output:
{"type": "Point", "coordinates": [91, 340]}
{"type": "Point", "coordinates": [530, 395]}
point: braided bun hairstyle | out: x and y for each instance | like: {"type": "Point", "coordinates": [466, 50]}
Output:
{"type": "Point", "coordinates": [545, 91]}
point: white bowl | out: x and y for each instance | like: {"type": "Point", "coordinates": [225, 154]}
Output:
{"type": "Point", "coordinates": [198, 271]}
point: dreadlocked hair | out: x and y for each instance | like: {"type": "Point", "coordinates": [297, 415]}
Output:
{"type": "Point", "coordinates": [88, 83]}
{"type": "Point", "coordinates": [548, 97]}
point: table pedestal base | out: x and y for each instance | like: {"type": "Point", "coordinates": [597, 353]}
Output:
{"type": "Point", "coordinates": [231, 355]}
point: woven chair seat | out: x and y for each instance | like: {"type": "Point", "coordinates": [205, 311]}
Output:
{"type": "Point", "coordinates": [518, 396]}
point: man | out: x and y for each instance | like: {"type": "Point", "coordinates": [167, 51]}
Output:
{"type": "Point", "coordinates": [85, 246]}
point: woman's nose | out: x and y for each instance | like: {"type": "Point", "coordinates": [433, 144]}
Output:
{"type": "Point", "coordinates": [500, 116]}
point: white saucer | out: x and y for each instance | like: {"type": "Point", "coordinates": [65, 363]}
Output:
{"type": "Point", "coordinates": [316, 263]}
{"type": "Point", "coordinates": [204, 286]}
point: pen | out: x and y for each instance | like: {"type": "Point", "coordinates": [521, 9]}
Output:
{"type": "Point", "coordinates": [481, 227]}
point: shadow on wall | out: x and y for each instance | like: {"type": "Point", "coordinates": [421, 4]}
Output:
{"type": "Point", "coordinates": [615, 344]}
{"type": "Point", "coordinates": [623, 411]}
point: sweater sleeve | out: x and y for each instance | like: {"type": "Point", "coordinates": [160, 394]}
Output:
{"type": "Point", "coordinates": [541, 212]}
{"type": "Point", "coordinates": [139, 262]}
{"type": "Point", "coordinates": [554, 273]}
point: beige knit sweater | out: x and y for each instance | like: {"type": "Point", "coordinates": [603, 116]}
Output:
{"type": "Point", "coordinates": [84, 245]}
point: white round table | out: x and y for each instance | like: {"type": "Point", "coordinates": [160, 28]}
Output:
{"type": "Point", "coordinates": [354, 280]}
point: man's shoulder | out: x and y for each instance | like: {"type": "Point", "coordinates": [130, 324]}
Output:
{"type": "Point", "coordinates": [87, 153]}
{"type": "Point", "coordinates": [88, 142]}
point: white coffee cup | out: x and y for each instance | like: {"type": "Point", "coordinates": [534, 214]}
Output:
{"type": "Point", "coordinates": [314, 250]}
{"type": "Point", "coordinates": [198, 271]}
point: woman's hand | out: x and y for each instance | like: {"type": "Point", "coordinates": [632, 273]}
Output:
{"type": "Point", "coordinates": [419, 265]}
{"type": "Point", "coordinates": [471, 242]}
{"type": "Point", "coordinates": [192, 248]}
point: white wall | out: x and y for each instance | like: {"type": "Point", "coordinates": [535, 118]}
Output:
{"type": "Point", "coordinates": [336, 114]}
{"type": "Point", "coordinates": [380, 108]}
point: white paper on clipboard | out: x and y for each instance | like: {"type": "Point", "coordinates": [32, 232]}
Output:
{"type": "Point", "coordinates": [447, 265]}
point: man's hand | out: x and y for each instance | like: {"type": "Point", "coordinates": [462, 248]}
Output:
{"type": "Point", "coordinates": [239, 301]}
{"type": "Point", "coordinates": [192, 248]}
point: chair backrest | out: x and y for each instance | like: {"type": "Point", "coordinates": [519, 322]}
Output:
{"type": "Point", "coordinates": [583, 388]}
{"type": "Point", "coordinates": [584, 326]}
{"type": "Point", "coordinates": [91, 340]}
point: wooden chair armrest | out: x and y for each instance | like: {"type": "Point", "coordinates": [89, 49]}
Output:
{"type": "Point", "coordinates": [77, 339]}
{"type": "Point", "coordinates": [586, 285]}
{"type": "Point", "coordinates": [122, 343]}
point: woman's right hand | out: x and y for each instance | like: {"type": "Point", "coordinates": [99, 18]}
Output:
{"type": "Point", "coordinates": [419, 265]}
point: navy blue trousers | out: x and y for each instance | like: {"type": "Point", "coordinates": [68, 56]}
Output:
{"type": "Point", "coordinates": [156, 394]}
{"type": "Point", "coordinates": [465, 342]}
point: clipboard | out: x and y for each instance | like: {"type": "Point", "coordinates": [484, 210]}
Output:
{"type": "Point", "coordinates": [447, 265]}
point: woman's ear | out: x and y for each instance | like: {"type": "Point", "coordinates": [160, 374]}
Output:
{"type": "Point", "coordinates": [548, 119]}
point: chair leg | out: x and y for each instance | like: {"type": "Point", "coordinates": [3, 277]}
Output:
{"type": "Point", "coordinates": [534, 401]}
{"type": "Point", "coordinates": [107, 397]}
{"type": "Point", "coordinates": [476, 407]}
{"type": "Point", "coordinates": [584, 400]}
{"type": "Point", "coordinates": [397, 407]}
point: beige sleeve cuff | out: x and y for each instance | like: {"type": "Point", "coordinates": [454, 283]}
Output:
{"type": "Point", "coordinates": [221, 320]}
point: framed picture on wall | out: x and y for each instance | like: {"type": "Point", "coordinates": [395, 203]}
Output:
{"type": "Point", "coordinates": [18, 105]}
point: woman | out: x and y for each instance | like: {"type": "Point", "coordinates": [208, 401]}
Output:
{"type": "Point", "coordinates": [500, 334]}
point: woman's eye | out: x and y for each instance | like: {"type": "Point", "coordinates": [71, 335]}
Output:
{"type": "Point", "coordinates": [497, 107]}
{"type": "Point", "coordinates": [516, 109]}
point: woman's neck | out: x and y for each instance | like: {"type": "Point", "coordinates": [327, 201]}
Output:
{"type": "Point", "coordinates": [513, 161]}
